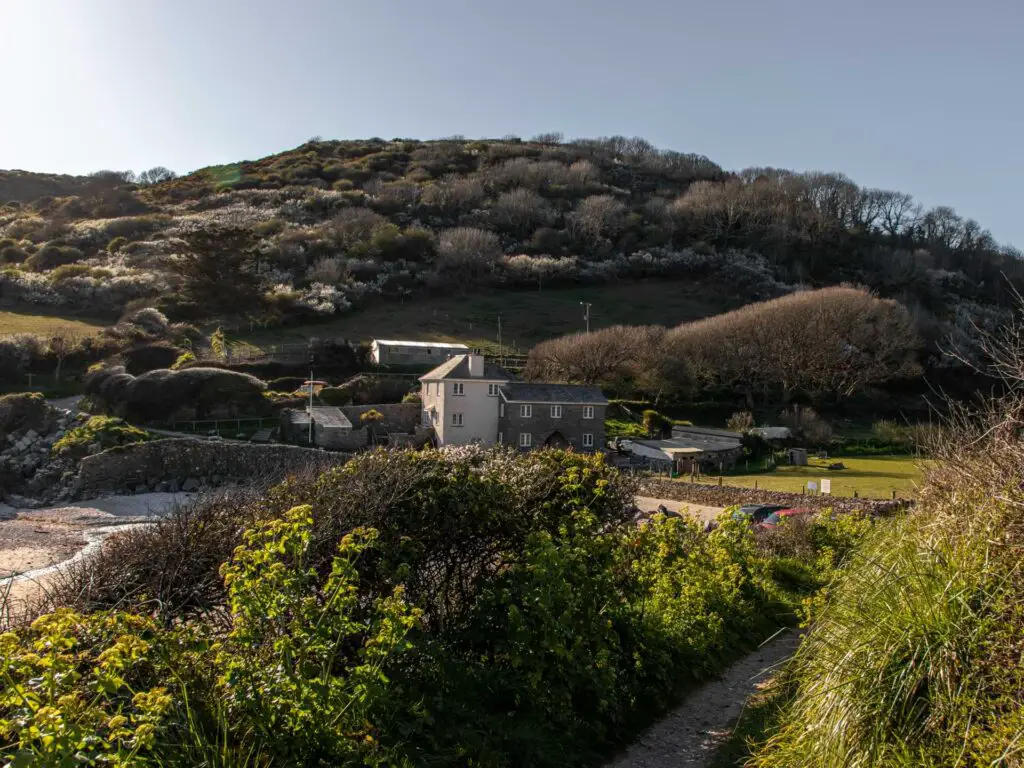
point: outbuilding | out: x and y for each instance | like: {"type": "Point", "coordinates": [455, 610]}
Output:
{"type": "Point", "coordinates": [390, 352]}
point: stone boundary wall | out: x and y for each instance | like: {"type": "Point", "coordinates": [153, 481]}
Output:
{"type": "Point", "coordinates": [399, 416]}
{"type": "Point", "coordinates": [727, 496]}
{"type": "Point", "coordinates": [187, 464]}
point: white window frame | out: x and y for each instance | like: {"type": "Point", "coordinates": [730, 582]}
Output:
{"type": "Point", "coordinates": [501, 438]}
{"type": "Point", "coordinates": [458, 420]}
{"type": "Point", "coordinates": [588, 411]}
{"type": "Point", "coordinates": [501, 409]}
{"type": "Point", "coordinates": [525, 411]}
{"type": "Point", "coordinates": [492, 390]}
{"type": "Point", "coordinates": [556, 411]}
{"type": "Point", "coordinates": [588, 439]}
{"type": "Point", "coordinates": [525, 439]}
{"type": "Point", "coordinates": [458, 388]}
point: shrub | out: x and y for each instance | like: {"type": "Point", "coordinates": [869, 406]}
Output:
{"type": "Point", "coordinates": [184, 360]}
{"type": "Point", "coordinates": [656, 425]}
{"type": "Point", "coordinates": [25, 410]}
{"type": "Point", "coordinates": [50, 256]}
{"type": "Point", "coordinates": [68, 271]}
{"type": "Point", "coordinates": [116, 244]}
{"type": "Point", "coordinates": [442, 607]}
{"type": "Point", "coordinates": [13, 255]}
{"type": "Point", "coordinates": [104, 431]}
{"type": "Point", "coordinates": [150, 357]}
{"type": "Point", "coordinates": [741, 421]}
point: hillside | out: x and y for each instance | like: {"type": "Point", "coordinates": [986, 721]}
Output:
{"type": "Point", "coordinates": [331, 227]}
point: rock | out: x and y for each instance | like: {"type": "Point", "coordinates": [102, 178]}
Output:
{"type": "Point", "coordinates": [94, 448]}
{"type": "Point", "coordinates": [190, 484]}
{"type": "Point", "coordinates": [31, 435]}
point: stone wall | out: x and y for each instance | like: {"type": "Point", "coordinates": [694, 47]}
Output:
{"type": "Point", "coordinates": [187, 464]}
{"type": "Point", "coordinates": [398, 417]}
{"type": "Point", "coordinates": [571, 425]}
{"type": "Point", "coordinates": [727, 496]}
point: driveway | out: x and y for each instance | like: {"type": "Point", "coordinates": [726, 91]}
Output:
{"type": "Point", "coordinates": [702, 513]}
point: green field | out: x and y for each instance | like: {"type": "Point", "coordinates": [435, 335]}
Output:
{"type": "Point", "coordinates": [47, 325]}
{"type": "Point", "coordinates": [527, 317]}
{"type": "Point", "coordinates": [870, 476]}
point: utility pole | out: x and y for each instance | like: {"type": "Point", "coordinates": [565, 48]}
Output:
{"type": "Point", "coordinates": [586, 312]}
{"type": "Point", "coordinates": [312, 360]}
{"type": "Point", "coordinates": [500, 351]}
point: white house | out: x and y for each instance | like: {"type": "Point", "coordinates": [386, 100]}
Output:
{"type": "Point", "coordinates": [389, 352]}
{"type": "Point", "coordinates": [461, 400]}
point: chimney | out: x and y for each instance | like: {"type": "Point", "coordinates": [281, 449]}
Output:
{"type": "Point", "coordinates": [476, 365]}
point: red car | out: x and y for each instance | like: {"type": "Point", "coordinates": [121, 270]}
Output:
{"type": "Point", "coordinates": [776, 517]}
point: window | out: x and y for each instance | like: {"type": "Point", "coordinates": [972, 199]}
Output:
{"type": "Point", "coordinates": [501, 438]}
{"type": "Point", "coordinates": [556, 411]}
{"type": "Point", "coordinates": [588, 411]}
{"type": "Point", "coordinates": [492, 390]}
{"type": "Point", "coordinates": [526, 411]}
{"type": "Point", "coordinates": [456, 419]}
{"type": "Point", "coordinates": [525, 439]}
{"type": "Point", "coordinates": [588, 440]}
{"type": "Point", "coordinates": [501, 410]}
{"type": "Point", "coordinates": [458, 388]}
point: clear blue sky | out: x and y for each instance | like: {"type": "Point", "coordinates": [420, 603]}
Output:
{"type": "Point", "coordinates": [924, 96]}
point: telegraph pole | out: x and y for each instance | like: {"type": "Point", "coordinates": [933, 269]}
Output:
{"type": "Point", "coordinates": [586, 312]}
{"type": "Point", "coordinates": [312, 360]}
{"type": "Point", "coordinates": [500, 351]}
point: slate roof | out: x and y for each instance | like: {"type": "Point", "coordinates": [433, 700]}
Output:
{"type": "Point", "coordinates": [697, 437]}
{"type": "Point", "coordinates": [522, 392]}
{"type": "Point", "coordinates": [458, 368]}
{"type": "Point", "coordinates": [330, 417]}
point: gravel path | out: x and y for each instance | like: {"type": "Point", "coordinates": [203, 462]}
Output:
{"type": "Point", "coordinates": [690, 734]}
{"type": "Point", "coordinates": [702, 513]}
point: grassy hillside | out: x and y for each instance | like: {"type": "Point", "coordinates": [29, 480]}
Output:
{"type": "Point", "coordinates": [331, 227]}
{"type": "Point", "coordinates": [527, 317]}
{"type": "Point", "coordinates": [20, 321]}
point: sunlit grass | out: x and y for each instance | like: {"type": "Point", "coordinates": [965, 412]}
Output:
{"type": "Point", "coordinates": [47, 325]}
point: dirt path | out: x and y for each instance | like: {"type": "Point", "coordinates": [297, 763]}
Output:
{"type": "Point", "coordinates": [690, 734]}
{"type": "Point", "coordinates": [702, 513]}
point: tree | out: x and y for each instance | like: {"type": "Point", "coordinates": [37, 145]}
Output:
{"type": "Point", "coordinates": [155, 175]}
{"type": "Point", "coordinates": [597, 357]}
{"type": "Point", "coordinates": [61, 345]}
{"type": "Point", "coordinates": [468, 251]}
{"type": "Point", "coordinates": [520, 211]}
{"type": "Point", "coordinates": [218, 267]}
{"type": "Point", "coordinates": [597, 216]}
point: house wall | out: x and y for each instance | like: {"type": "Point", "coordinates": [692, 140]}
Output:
{"type": "Point", "coordinates": [432, 398]}
{"type": "Point", "coordinates": [479, 413]}
{"type": "Point", "coordinates": [398, 355]}
{"type": "Point", "coordinates": [542, 425]}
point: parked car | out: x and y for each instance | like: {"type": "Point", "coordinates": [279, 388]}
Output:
{"type": "Point", "coordinates": [756, 513]}
{"type": "Point", "coordinates": [778, 516]}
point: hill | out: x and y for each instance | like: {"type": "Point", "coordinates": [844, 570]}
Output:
{"type": "Point", "coordinates": [320, 231]}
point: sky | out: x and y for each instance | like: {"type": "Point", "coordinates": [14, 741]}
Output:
{"type": "Point", "coordinates": [922, 96]}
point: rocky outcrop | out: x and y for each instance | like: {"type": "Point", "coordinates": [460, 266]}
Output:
{"type": "Point", "coordinates": [27, 464]}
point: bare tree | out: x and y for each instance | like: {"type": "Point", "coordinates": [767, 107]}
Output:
{"type": "Point", "coordinates": [61, 344]}
{"type": "Point", "coordinates": [520, 211]}
{"type": "Point", "coordinates": [467, 251]}
{"type": "Point", "coordinates": [597, 216]}
{"type": "Point", "coordinates": [155, 175]}
{"type": "Point", "coordinates": [597, 357]}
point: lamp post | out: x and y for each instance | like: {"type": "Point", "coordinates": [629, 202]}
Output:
{"type": "Point", "coordinates": [586, 313]}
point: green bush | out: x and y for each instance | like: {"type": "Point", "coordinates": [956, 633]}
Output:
{"type": "Point", "coordinates": [22, 410]}
{"type": "Point", "coordinates": [455, 607]}
{"type": "Point", "coordinates": [105, 431]}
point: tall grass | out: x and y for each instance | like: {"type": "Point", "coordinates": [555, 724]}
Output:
{"type": "Point", "coordinates": [915, 653]}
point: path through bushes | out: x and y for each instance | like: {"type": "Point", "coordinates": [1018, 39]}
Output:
{"type": "Point", "coordinates": [690, 734]}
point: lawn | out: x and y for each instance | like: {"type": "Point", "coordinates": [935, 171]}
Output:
{"type": "Point", "coordinates": [873, 477]}
{"type": "Point", "coordinates": [527, 317]}
{"type": "Point", "coordinates": [47, 325]}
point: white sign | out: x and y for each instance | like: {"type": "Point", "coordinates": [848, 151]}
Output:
{"type": "Point", "coordinates": [826, 485]}
{"type": "Point", "coordinates": [812, 486]}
